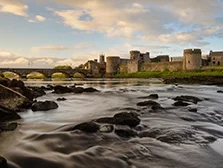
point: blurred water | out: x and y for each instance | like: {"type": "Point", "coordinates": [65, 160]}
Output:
{"type": "Point", "coordinates": [39, 141]}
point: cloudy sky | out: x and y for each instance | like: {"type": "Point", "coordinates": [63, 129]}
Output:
{"type": "Point", "coordinates": [45, 33]}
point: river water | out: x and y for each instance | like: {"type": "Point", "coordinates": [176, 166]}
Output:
{"type": "Point", "coordinates": [173, 137]}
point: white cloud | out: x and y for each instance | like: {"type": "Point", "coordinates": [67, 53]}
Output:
{"type": "Point", "coordinates": [60, 48]}
{"type": "Point", "coordinates": [40, 18]}
{"type": "Point", "coordinates": [16, 7]}
{"type": "Point", "coordinates": [146, 20]}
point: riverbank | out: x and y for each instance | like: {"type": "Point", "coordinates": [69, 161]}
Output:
{"type": "Point", "coordinates": [205, 77]}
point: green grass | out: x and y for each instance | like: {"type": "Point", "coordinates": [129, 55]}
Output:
{"type": "Point", "coordinates": [167, 74]}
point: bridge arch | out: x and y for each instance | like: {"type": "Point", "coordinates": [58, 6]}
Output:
{"type": "Point", "coordinates": [11, 74]}
{"type": "Point", "coordinates": [35, 75]}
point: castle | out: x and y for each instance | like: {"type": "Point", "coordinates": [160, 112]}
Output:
{"type": "Point", "coordinates": [192, 59]}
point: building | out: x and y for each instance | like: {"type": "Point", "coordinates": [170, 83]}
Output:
{"type": "Point", "coordinates": [216, 58]}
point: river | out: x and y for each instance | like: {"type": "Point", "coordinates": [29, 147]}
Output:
{"type": "Point", "coordinates": [174, 137]}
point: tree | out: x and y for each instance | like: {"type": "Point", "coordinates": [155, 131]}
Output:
{"type": "Point", "coordinates": [63, 67]}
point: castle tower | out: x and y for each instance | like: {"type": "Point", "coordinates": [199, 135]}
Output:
{"type": "Point", "coordinates": [192, 59]}
{"type": "Point", "coordinates": [134, 55]}
{"type": "Point", "coordinates": [101, 59]}
{"type": "Point", "coordinates": [112, 65]}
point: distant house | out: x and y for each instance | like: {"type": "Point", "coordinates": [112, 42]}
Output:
{"type": "Point", "coordinates": [216, 57]}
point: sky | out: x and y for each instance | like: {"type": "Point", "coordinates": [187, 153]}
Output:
{"type": "Point", "coordinates": [46, 33]}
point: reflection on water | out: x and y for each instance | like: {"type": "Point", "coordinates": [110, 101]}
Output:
{"type": "Point", "coordinates": [172, 137]}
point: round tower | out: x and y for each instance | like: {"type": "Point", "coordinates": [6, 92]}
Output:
{"type": "Point", "coordinates": [112, 65]}
{"type": "Point", "coordinates": [101, 59]}
{"type": "Point", "coordinates": [192, 59]}
{"type": "Point", "coordinates": [134, 55]}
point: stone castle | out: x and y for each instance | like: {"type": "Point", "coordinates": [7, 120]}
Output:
{"type": "Point", "coordinates": [192, 59]}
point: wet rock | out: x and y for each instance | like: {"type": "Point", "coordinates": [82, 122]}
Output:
{"type": "Point", "coordinates": [7, 115]}
{"type": "Point", "coordinates": [8, 126]}
{"type": "Point", "coordinates": [3, 162]}
{"type": "Point", "coordinates": [12, 100]}
{"type": "Point", "coordinates": [108, 120]}
{"type": "Point", "coordinates": [61, 99]}
{"type": "Point", "coordinates": [44, 106]}
{"type": "Point", "coordinates": [4, 81]}
{"type": "Point", "coordinates": [37, 91]}
{"type": "Point", "coordinates": [210, 138]}
{"type": "Point", "coordinates": [186, 98]}
{"type": "Point", "coordinates": [78, 89]}
{"type": "Point", "coordinates": [151, 96]}
{"type": "Point", "coordinates": [220, 91]}
{"type": "Point", "coordinates": [156, 108]}
{"type": "Point", "coordinates": [181, 103]}
{"type": "Point", "coordinates": [62, 89]}
{"type": "Point", "coordinates": [106, 128]}
{"type": "Point", "coordinates": [148, 103]}
{"type": "Point", "coordinates": [131, 119]}
{"type": "Point", "coordinates": [90, 89]}
{"type": "Point", "coordinates": [89, 127]}
{"type": "Point", "coordinates": [125, 131]}
{"type": "Point", "coordinates": [186, 118]}
{"type": "Point", "coordinates": [50, 87]}
{"type": "Point", "coordinates": [192, 110]}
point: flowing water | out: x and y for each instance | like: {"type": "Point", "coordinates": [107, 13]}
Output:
{"type": "Point", "coordinates": [173, 137]}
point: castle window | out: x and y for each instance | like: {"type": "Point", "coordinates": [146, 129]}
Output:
{"type": "Point", "coordinates": [213, 62]}
{"type": "Point", "coordinates": [218, 62]}
{"type": "Point", "coordinates": [213, 58]}
{"type": "Point", "coordinates": [188, 62]}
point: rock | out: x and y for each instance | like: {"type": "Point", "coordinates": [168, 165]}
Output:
{"type": "Point", "coordinates": [156, 108]}
{"type": "Point", "coordinates": [78, 89]}
{"type": "Point", "coordinates": [62, 89]}
{"type": "Point", "coordinates": [186, 98]}
{"type": "Point", "coordinates": [4, 81]}
{"type": "Point", "coordinates": [8, 126]}
{"type": "Point", "coordinates": [220, 91]}
{"type": "Point", "coordinates": [108, 120]}
{"type": "Point", "coordinates": [148, 103]}
{"type": "Point", "coordinates": [125, 131]}
{"type": "Point", "coordinates": [192, 110]}
{"type": "Point", "coordinates": [89, 127]}
{"type": "Point", "coordinates": [181, 103]}
{"type": "Point", "coordinates": [151, 96]}
{"type": "Point", "coordinates": [7, 115]}
{"type": "Point", "coordinates": [131, 119]}
{"type": "Point", "coordinates": [90, 89]}
{"type": "Point", "coordinates": [16, 83]}
{"type": "Point", "coordinates": [61, 99]}
{"type": "Point", "coordinates": [186, 118]}
{"type": "Point", "coordinates": [12, 100]}
{"type": "Point", "coordinates": [106, 128]}
{"type": "Point", "coordinates": [44, 106]}
{"type": "Point", "coordinates": [3, 162]}
{"type": "Point", "coordinates": [37, 91]}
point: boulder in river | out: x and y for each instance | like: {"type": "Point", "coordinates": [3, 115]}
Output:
{"type": "Point", "coordinates": [186, 98]}
{"type": "Point", "coordinates": [12, 100]}
{"type": "Point", "coordinates": [62, 89]}
{"type": "Point", "coordinates": [131, 119]}
{"type": "Point", "coordinates": [89, 127]}
{"type": "Point", "coordinates": [3, 162]}
{"type": "Point", "coordinates": [61, 99]}
{"type": "Point", "coordinates": [8, 126]}
{"type": "Point", "coordinates": [44, 106]}
{"type": "Point", "coordinates": [7, 115]}
{"type": "Point", "coordinates": [181, 103]}
{"type": "Point", "coordinates": [90, 89]}
{"type": "Point", "coordinates": [148, 103]}
{"type": "Point", "coordinates": [151, 96]}
{"type": "Point", "coordinates": [125, 131]}
{"type": "Point", "coordinates": [78, 89]}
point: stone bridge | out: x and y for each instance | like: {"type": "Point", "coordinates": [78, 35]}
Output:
{"type": "Point", "coordinates": [23, 72]}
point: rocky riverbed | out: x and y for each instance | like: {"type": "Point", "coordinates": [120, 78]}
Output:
{"type": "Point", "coordinates": [132, 124]}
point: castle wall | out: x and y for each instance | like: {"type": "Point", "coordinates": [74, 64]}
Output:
{"type": "Point", "coordinates": [133, 66]}
{"type": "Point", "coordinates": [123, 68]}
{"type": "Point", "coordinates": [112, 65]}
{"type": "Point", "coordinates": [161, 66]}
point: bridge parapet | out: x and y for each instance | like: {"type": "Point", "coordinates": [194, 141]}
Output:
{"type": "Point", "coordinates": [47, 72]}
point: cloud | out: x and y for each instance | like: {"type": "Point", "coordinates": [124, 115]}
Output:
{"type": "Point", "coordinates": [147, 20]}
{"type": "Point", "coordinates": [60, 48]}
{"type": "Point", "coordinates": [16, 7]}
{"type": "Point", "coordinates": [40, 18]}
